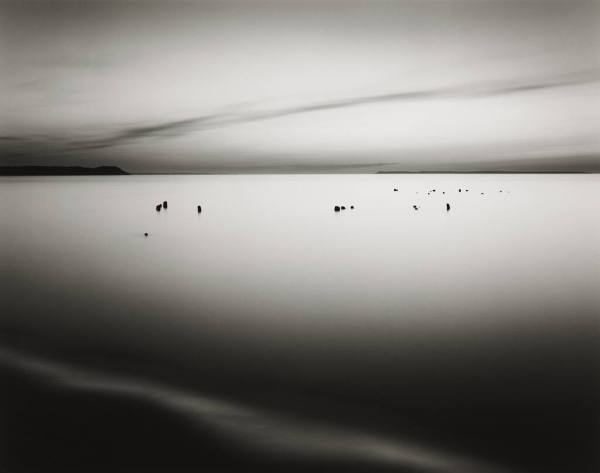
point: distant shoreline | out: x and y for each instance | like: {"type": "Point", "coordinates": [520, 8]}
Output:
{"type": "Point", "coordinates": [487, 172]}
{"type": "Point", "coordinates": [117, 171]}
{"type": "Point", "coordinates": [322, 173]}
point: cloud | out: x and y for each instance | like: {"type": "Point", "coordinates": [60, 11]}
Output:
{"type": "Point", "coordinates": [166, 129]}
{"type": "Point", "coordinates": [223, 119]}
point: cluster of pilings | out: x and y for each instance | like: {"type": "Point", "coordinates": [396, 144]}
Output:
{"type": "Point", "coordinates": [165, 205]}
{"type": "Point", "coordinates": [432, 191]}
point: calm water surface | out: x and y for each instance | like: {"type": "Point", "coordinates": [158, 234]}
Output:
{"type": "Point", "coordinates": [271, 333]}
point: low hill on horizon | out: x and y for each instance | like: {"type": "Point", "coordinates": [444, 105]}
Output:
{"type": "Point", "coordinates": [61, 171]}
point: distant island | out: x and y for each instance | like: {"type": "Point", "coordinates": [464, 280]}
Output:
{"type": "Point", "coordinates": [61, 171]}
{"type": "Point", "coordinates": [500, 171]}
{"type": "Point", "coordinates": [542, 165]}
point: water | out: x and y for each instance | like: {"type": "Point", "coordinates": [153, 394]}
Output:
{"type": "Point", "coordinates": [285, 335]}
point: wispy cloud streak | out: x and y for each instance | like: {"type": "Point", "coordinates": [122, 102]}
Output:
{"type": "Point", "coordinates": [218, 120]}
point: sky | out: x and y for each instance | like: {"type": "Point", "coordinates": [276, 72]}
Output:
{"type": "Point", "coordinates": [254, 86]}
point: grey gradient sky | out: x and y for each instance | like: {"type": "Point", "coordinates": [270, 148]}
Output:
{"type": "Point", "coordinates": [209, 86]}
